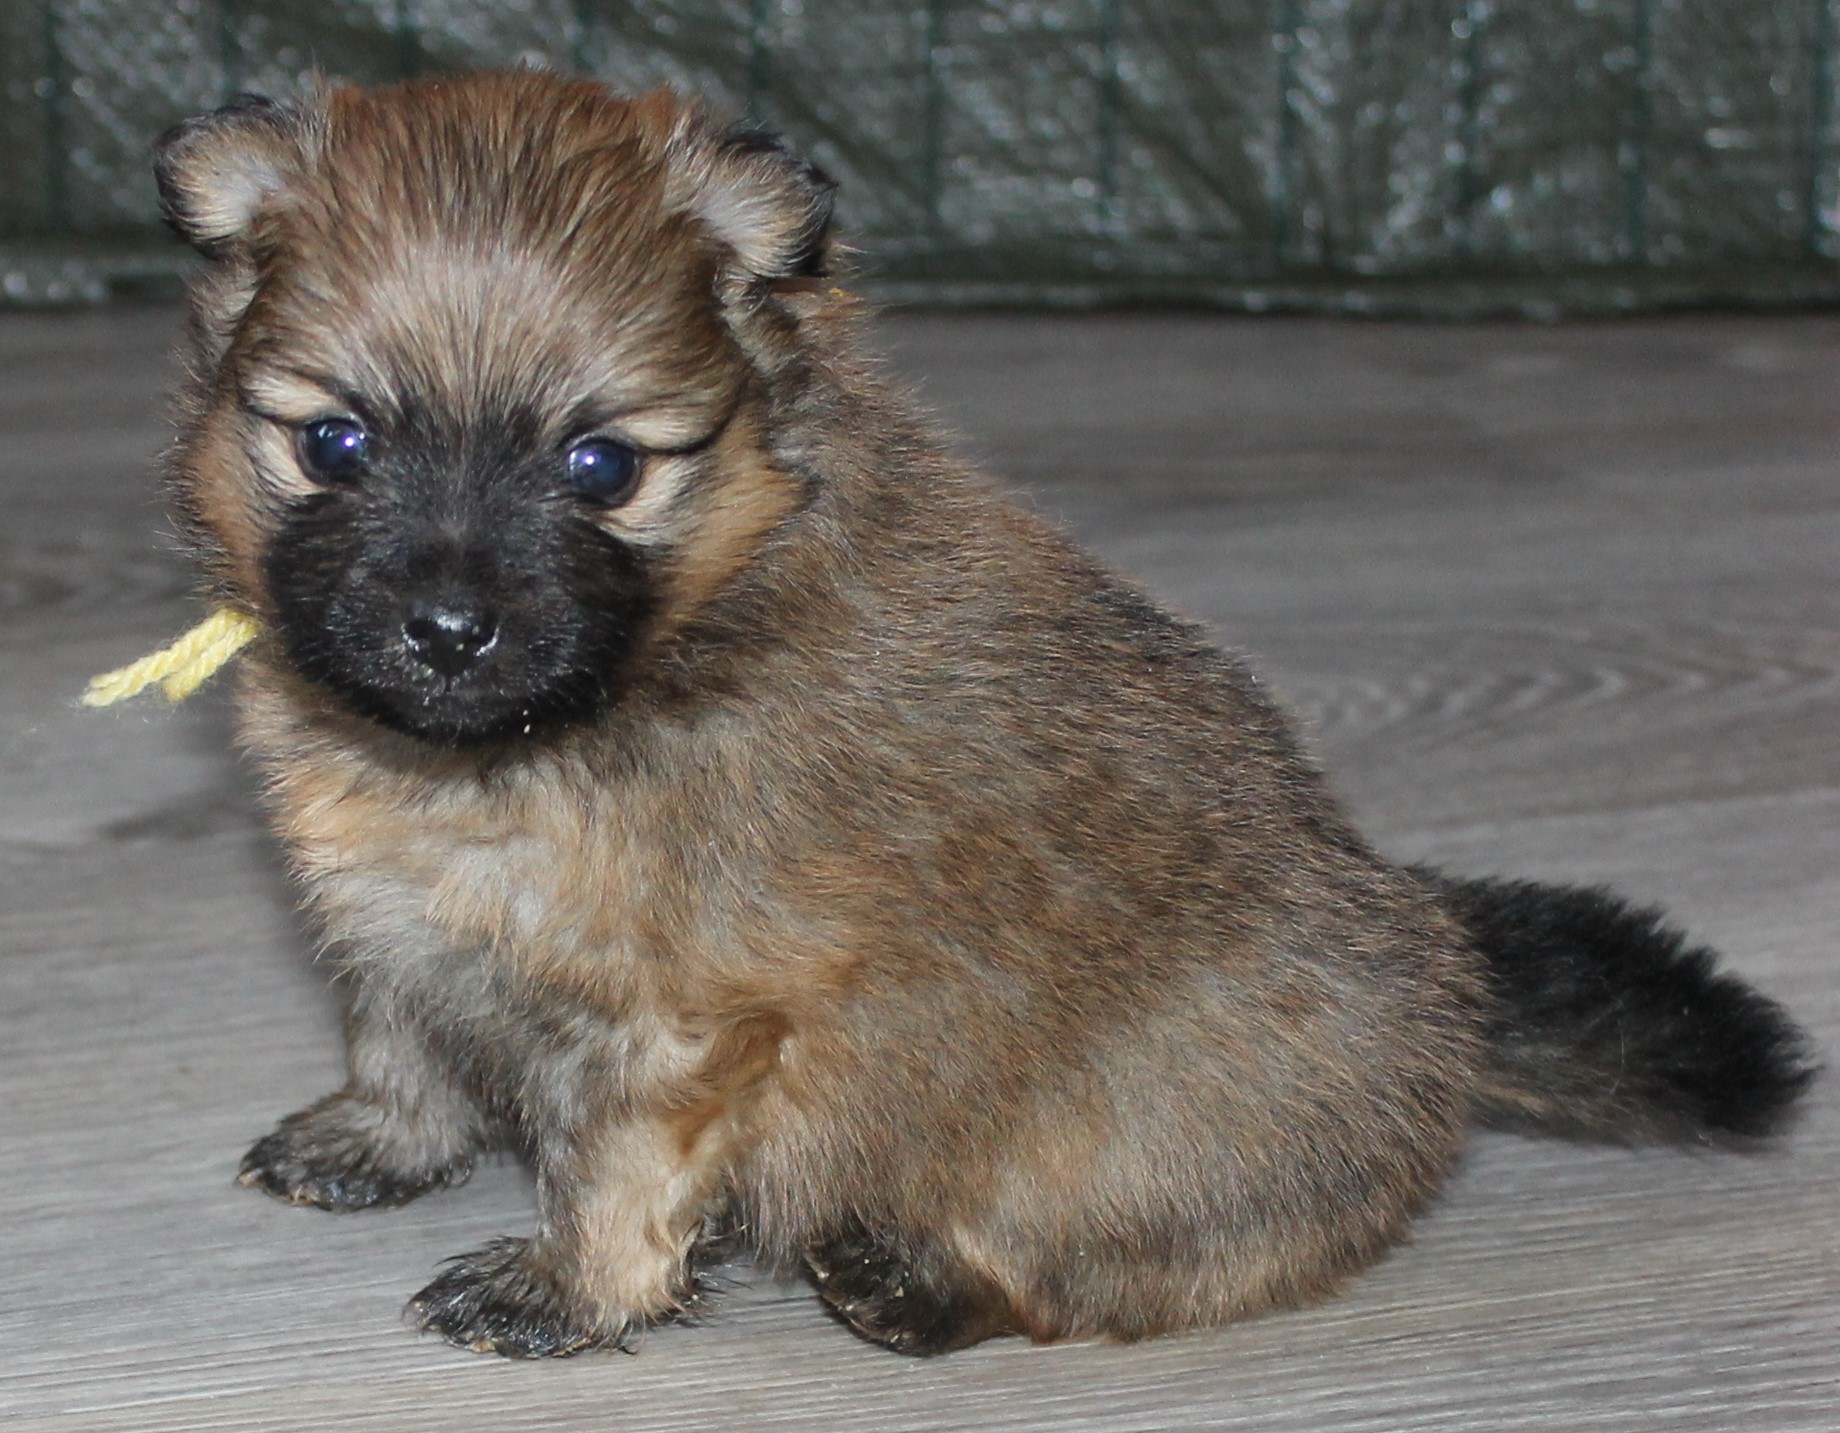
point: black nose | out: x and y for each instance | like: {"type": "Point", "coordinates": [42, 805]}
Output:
{"type": "Point", "coordinates": [449, 637]}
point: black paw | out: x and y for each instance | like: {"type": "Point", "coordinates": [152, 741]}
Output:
{"type": "Point", "coordinates": [880, 1292]}
{"type": "Point", "coordinates": [498, 1300]}
{"type": "Point", "coordinates": [314, 1159]}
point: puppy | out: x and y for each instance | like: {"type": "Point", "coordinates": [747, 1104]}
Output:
{"type": "Point", "coordinates": [714, 791]}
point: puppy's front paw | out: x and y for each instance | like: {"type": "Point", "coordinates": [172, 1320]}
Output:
{"type": "Point", "coordinates": [339, 1155]}
{"type": "Point", "coordinates": [499, 1299]}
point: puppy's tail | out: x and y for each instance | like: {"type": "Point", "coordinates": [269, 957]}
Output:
{"type": "Point", "coordinates": [1606, 1024]}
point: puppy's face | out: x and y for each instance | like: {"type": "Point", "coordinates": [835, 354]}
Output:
{"type": "Point", "coordinates": [473, 422]}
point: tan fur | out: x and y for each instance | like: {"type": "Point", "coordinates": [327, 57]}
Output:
{"type": "Point", "coordinates": [923, 881]}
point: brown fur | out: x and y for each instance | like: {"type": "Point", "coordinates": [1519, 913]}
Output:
{"type": "Point", "coordinates": [928, 909]}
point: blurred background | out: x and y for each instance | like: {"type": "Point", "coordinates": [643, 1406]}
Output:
{"type": "Point", "coordinates": [1439, 157]}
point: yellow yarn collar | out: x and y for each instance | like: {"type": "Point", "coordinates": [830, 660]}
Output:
{"type": "Point", "coordinates": [182, 668]}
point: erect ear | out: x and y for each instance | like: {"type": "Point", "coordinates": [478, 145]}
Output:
{"type": "Point", "coordinates": [216, 171]}
{"type": "Point", "coordinates": [771, 208]}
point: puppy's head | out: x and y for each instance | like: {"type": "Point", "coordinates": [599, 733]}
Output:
{"type": "Point", "coordinates": [475, 409]}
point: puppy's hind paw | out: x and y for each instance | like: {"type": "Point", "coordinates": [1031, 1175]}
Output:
{"type": "Point", "coordinates": [499, 1300]}
{"type": "Point", "coordinates": [876, 1287]}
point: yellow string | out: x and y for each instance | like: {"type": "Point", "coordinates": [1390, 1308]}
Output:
{"type": "Point", "coordinates": [182, 668]}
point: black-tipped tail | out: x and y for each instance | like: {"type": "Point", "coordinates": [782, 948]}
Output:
{"type": "Point", "coordinates": [1607, 1024]}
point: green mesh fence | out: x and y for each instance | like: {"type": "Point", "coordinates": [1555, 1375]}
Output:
{"type": "Point", "coordinates": [1541, 156]}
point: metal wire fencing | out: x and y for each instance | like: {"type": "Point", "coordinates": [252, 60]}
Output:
{"type": "Point", "coordinates": [1374, 155]}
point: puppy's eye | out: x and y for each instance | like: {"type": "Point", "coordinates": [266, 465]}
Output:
{"type": "Point", "coordinates": [603, 471]}
{"type": "Point", "coordinates": [334, 450]}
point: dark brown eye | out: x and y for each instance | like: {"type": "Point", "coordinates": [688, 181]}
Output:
{"type": "Point", "coordinates": [603, 471]}
{"type": "Point", "coordinates": [334, 450]}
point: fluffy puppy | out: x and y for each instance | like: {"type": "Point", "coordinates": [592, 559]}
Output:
{"type": "Point", "coordinates": [712, 789]}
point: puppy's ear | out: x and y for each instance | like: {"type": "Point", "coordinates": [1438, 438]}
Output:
{"type": "Point", "coordinates": [771, 208]}
{"type": "Point", "coordinates": [217, 170]}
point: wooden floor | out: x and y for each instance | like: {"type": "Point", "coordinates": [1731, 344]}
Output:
{"type": "Point", "coordinates": [1556, 601]}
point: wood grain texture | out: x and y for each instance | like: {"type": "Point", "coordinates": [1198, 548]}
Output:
{"type": "Point", "coordinates": [1558, 602]}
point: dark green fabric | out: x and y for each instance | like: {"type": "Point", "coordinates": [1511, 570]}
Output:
{"type": "Point", "coordinates": [1388, 156]}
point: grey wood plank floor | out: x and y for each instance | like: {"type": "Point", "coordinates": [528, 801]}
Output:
{"type": "Point", "coordinates": [1555, 601]}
